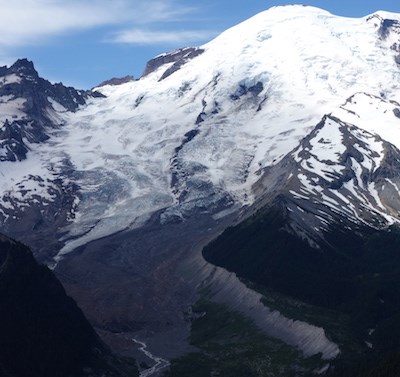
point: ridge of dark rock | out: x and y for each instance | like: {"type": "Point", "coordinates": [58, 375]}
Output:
{"type": "Point", "coordinates": [39, 97]}
{"type": "Point", "coordinates": [117, 81]}
{"type": "Point", "coordinates": [24, 66]}
{"type": "Point", "coordinates": [179, 57]}
{"type": "Point", "coordinates": [43, 332]}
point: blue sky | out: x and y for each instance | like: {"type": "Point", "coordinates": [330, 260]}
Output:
{"type": "Point", "coordinates": [82, 43]}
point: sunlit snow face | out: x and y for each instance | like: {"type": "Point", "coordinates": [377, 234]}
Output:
{"type": "Point", "coordinates": [248, 99]}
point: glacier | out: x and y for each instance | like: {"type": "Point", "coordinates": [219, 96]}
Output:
{"type": "Point", "coordinates": [247, 101]}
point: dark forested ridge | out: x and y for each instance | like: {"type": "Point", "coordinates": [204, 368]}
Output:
{"type": "Point", "coordinates": [353, 272]}
{"type": "Point", "coordinates": [387, 366]}
{"type": "Point", "coordinates": [42, 331]}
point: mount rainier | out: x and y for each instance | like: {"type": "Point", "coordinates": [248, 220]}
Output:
{"type": "Point", "coordinates": [278, 142]}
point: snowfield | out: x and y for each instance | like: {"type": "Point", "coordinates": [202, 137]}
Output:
{"type": "Point", "coordinates": [204, 133]}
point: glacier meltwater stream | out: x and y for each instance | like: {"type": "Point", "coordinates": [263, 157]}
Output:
{"type": "Point", "coordinates": [159, 362]}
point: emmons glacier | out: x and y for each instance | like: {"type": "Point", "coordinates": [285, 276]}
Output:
{"type": "Point", "coordinates": [206, 130]}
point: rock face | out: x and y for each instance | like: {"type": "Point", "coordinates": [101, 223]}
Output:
{"type": "Point", "coordinates": [175, 59]}
{"type": "Point", "coordinates": [30, 111]}
{"type": "Point", "coordinates": [27, 105]}
{"type": "Point", "coordinates": [43, 332]}
{"type": "Point", "coordinates": [117, 81]}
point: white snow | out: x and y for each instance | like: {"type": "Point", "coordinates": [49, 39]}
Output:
{"type": "Point", "coordinates": [25, 181]}
{"type": "Point", "coordinates": [308, 62]}
{"type": "Point", "coordinates": [326, 155]}
{"type": "Point", "coordinates": [326, 149]}
{"type": "Point", "coordinates": [373, 114]}
{"type": "Point", "coordinates": [128, 147]}
{"type": "Point", "coordinates": [328, 144]}
{"type": "Point", "coordinates": [56, 106]}
{"type": "Point", "coordinates": [11, 109]}
{"type": "Point", "coordinates": [10, 79]}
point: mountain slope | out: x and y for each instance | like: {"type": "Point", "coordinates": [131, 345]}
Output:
{"type": "Point", "coordinates": [36, 194]}
{"type": "Point", "coordinates": [28, 106]}
{"type": "Point", "coordinates": [43, 331]}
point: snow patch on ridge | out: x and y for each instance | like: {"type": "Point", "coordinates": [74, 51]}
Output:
{"type": "Point", "coordinates": [23, 181]}
{"type": "Point", "coordinates": [11, 109]}
{"type": "Point", "coordinates": [374, 114]}
{"type": "Point", "coordinates": [338, 163]}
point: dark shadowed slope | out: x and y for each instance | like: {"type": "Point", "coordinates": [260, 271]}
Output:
{"type": "Point", "coordinates": [42, 331]}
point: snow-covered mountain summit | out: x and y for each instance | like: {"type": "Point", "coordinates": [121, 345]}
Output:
{"type": "Point", "coordinates": [288, 123]}
{"type": "Point", "coordinates": [200, 128]}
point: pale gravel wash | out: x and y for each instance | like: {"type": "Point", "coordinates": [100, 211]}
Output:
{"type": "Point", "coordinates": [229, 290]}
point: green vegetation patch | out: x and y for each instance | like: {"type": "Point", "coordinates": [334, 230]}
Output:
{"type": "Point", "coordinates": [231, 345]}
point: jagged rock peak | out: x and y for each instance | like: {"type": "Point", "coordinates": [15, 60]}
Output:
{"type": "Point", "coordinates": [385, 25]}
{"type": "Point", "coordinates": [116, 81]}
{"type": "Point", "coordinates": [179, 57]}
{"type": "Point", "coordinates": [30, 106]}
{"type": "Point", "coordinates": [24, 66]}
